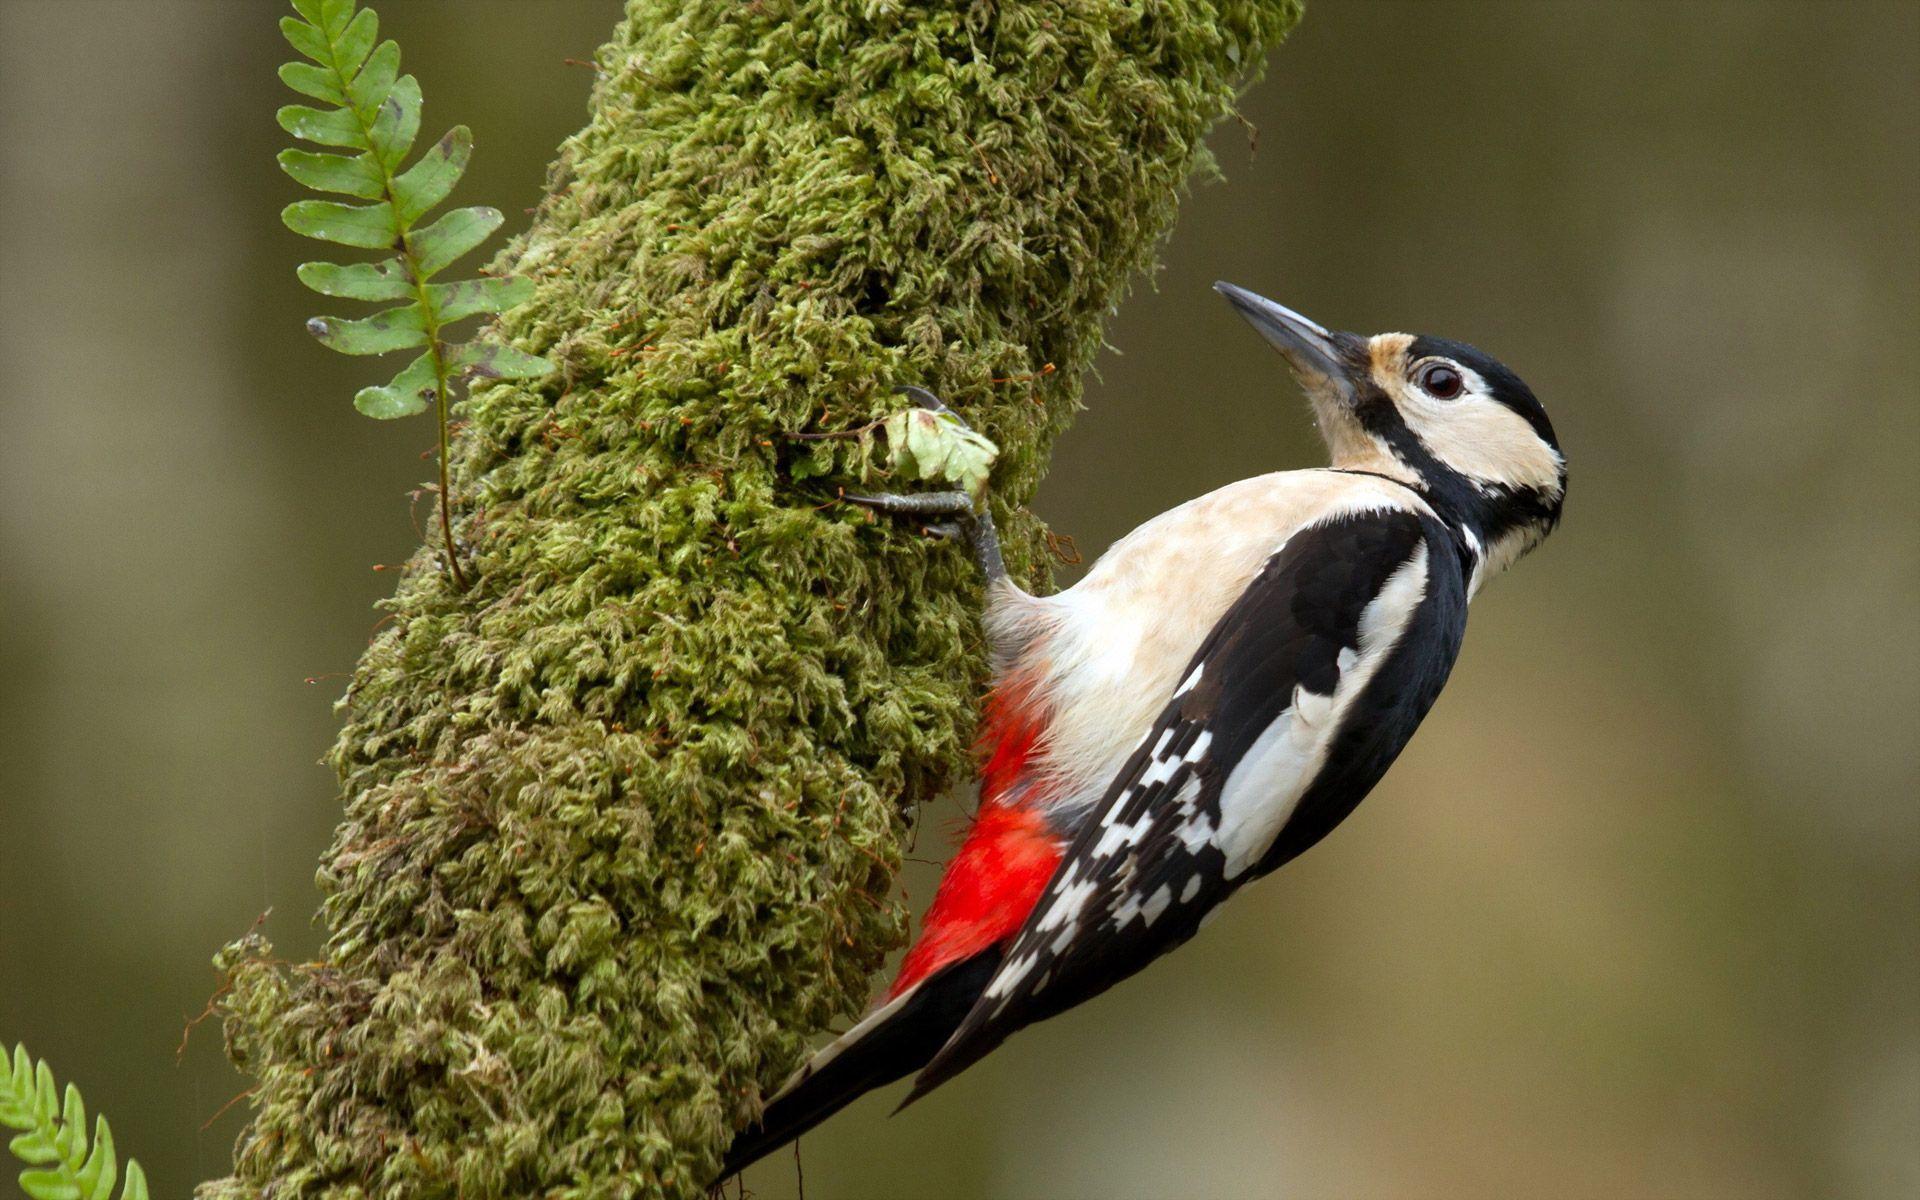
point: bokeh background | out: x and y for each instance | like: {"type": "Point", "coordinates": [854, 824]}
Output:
{"type": "Point", "coordinates": [1637, 914]}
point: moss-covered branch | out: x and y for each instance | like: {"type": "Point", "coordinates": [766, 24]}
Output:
{"type": "Point", "coordinates": [621, 820]}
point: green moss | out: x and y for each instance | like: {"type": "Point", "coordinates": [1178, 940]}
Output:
{"type": "Point", "coordinates": [621, 821]}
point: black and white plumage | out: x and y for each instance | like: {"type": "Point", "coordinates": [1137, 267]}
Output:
{"type": "Point", "coordinates": [1259, 727]}
{"type": "Point", "coordinates": [1214, 697]}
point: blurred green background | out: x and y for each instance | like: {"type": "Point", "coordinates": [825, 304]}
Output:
{"type": "Point", "coordinates": [1637, 914]}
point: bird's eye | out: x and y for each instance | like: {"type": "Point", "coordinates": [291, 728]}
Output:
{"type": "Point", "coordinates": [1440, 381]}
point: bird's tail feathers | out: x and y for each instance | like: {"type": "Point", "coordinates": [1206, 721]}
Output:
{"type": "Point", "coordinates": [893, 1041]}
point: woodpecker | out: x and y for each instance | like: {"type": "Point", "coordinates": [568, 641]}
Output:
{"type": "Point", "coordinates": [1216, 694]}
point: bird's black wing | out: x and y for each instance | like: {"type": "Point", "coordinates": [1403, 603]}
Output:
{"type": "Point", "coordinates": [1346, 609]}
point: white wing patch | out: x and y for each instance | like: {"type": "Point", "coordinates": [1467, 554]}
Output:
{"type": "Point", "coordinates": [1269, 780]}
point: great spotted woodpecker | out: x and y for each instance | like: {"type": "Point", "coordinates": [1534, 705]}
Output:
{"type": "Point", "coordinates": [1220, 690]}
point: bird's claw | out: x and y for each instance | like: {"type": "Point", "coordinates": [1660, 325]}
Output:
{"type": "Point", "coordinates": [915, 504]}
{"type": "Point", "coordinates": [923, 504]}
{"type": "Point", "coordinates": [965, 519]}
{"type": "Point", "coordinates": [927, 400]}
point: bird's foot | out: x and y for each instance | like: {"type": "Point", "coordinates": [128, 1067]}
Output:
{"type": "Point", "coordinates": [963, 517]}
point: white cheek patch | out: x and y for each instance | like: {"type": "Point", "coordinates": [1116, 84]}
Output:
{"type": "Point", "coordinates": [1484, 440]}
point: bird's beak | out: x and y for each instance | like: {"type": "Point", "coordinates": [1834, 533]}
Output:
{"type": "Point", "coordinates": [1318, 356]}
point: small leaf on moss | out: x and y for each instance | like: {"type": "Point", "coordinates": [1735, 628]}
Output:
{"type": "Point", "coordinates": [937, 447]}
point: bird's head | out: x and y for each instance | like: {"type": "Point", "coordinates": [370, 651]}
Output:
{"type": "Point", "coordinates": [1439, 415]}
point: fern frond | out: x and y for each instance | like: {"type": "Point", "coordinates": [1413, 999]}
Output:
{"type": "Point", "coordinates": [61, 1162]}
{"type": "Point", "coordinates": [373, 112]}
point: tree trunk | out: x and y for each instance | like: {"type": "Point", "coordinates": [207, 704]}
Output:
{"type": "Point", "coordinates": [622, 820]}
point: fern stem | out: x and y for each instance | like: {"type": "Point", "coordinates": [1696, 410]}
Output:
{"type": "Point", "coordinates": [446, 496]}
{"type": "Point", "coordinates": [438, 351]}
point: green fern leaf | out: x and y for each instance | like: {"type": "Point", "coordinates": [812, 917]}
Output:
{"type": "Point", "coordinates": [73, 1124]}
{"type": "Point", "coordinates": [310, 79]}
{"type": "Point", "coordinates": [335, 127]}
{"type": "Point", "coordinates": [368, 90]}
{"type": "Point", "coordinates": [368, 226]}
{"type": "Point", "coordinates": [308, 40]}
{"type": "Point", "coordinates": [470, 297]}
{"type": "Point", "coordinates": [358, 281]}
{"type": "Point", "coordinates": [488, 360]}
{"type": "Point", "coordinates": [334, 35]}
{"type": "Point", "coordinates": [410, 392]}
{"type": "Point", "coordinates": [436, 246]}
{"type": "Point", "coordinates": [34, 1147]}
{"type": "Point", "coordinates": [375, 118]}
{"type": "Point", "coordinates": [428, 182]}
{"type": "Point", "coordinates": [398, 328]}
{"type": "Point", "coordinates": [62, 1162]}
{"type": "Point", "coordinates": [101, 1165]}
{"type": "Point", "coordinates": [324, 12]}
{"type": "Point", "coordinates": [397, 122]}
{"type": "Point", "coordinates": [358, 176]}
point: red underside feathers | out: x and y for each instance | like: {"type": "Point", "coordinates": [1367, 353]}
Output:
{"type": "Point", "coordinates": [1009, 855]}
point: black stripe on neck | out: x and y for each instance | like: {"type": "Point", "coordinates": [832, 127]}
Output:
{"type": "Point", "coordinates": [1487, 511]}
